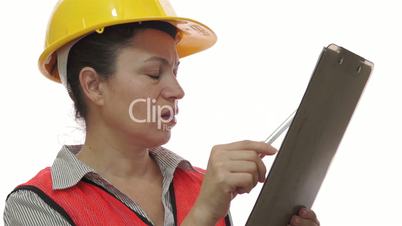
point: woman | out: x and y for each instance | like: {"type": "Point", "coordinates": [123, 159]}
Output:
{"type": "Point", "coordinates": [118, 61]}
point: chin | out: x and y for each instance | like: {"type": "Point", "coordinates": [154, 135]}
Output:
{"type": "Point", "coordinates": [151, 136]}
{"type": "Point", "coordinates": [161, 138]}
{"type": "Point", "coordinates": [157, 138]}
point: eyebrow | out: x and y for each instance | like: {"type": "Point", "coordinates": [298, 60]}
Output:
{"type": "Point", "coordinates": [161, 59]}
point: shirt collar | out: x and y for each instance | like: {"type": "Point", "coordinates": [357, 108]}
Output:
{"type": "Point", "coordinates": [67, 170]}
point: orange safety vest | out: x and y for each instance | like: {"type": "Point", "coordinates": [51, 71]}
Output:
{"type": "Point", "coordinates": [89, 204]}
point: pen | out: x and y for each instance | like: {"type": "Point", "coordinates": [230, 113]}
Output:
{"type": "Point", "coordinates": [285, 124]}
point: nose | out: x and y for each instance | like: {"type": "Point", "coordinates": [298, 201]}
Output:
{"type": "Point", "coordinates": [173, 90]}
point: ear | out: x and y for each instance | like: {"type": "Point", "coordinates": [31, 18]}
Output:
{"type": "Point", "coordinates": [92, 85]}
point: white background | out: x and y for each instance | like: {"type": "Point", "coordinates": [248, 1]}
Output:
{"type": "Point", "coordinates": [242, 88]}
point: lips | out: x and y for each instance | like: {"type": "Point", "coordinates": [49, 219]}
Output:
{"type": "Point", "coordinates": [167, 115]}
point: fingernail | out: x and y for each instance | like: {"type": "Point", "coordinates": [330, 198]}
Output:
{"type": "Point", "coordinates": [303, 212]}
{"type": "Point", "coordinates": [273, 148]}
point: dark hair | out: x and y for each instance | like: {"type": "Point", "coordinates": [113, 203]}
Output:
{"type": "Point", "coordinates": [99, 51]}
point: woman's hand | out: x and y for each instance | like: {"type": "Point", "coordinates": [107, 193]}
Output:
{"type": "Point", "coordinates": [233, 169]}
{"type": "Point", "coordinates": [304, 217]}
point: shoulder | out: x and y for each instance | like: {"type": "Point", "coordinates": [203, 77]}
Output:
{"type": "Point", "coordinates": [28, 203]}
{"type": "Point", "coordinates": [189, 176]}
{"type": "Point", "coordinates": [26, 207]}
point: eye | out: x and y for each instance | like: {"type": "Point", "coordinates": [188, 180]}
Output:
{"type": "Point", "coordinates": [175, 71]}
{"type": "Point", "coordinates": [154, 77]}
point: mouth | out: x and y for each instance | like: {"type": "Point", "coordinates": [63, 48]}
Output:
{"type": "Point", "coordinates": [168, 116]}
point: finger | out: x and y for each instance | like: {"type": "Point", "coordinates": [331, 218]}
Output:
{"type": "Point", "coordinates": [299, 221]}
{"type": "Point", "coordinates": [250, 156]}
{"type": "Point", "coordinates": [262, 156]}
{"type": "Point", "coordinates": [259, 147]}
{"type": "Point", "coordinates": [243, 155]}
{"type": "Point", "coordinates": [308, 214]}
{"type": "Point", "coordinates": [241, 182]}
{"type": "Point", "coordinates": [248, 167]}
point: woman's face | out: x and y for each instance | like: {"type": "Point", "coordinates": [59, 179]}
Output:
{"type": "Point", "coordinates": [141, 97]}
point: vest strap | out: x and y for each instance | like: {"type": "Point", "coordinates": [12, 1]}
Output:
{"type": "Point", "coordinates": [49, 201]}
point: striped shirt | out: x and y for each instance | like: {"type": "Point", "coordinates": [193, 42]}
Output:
{"type": "Point", "coordinates": [24, 207]}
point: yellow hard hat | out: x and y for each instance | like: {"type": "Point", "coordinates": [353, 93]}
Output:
{"type": "Point", "coordinates": [73, 19]}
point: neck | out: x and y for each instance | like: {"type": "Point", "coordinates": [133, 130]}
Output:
{"type": "Point", "coordinates": [112, 158]}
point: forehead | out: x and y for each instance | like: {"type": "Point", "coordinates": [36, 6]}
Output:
{"type": "Point", "coordinates": [151, 43]}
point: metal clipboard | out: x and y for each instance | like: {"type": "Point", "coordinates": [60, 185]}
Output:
{"type": "Point", "coordinates": [313, 137]}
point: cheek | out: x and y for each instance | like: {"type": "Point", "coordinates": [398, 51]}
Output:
{"type": "Point", "coordinates": [135, 103]}
{"type": "Point", "coordinates": [130, 103]}
{"type": "Point", "coordinates": [137, 110]}
{"type": "Point", "coordinates": [142, 124]}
